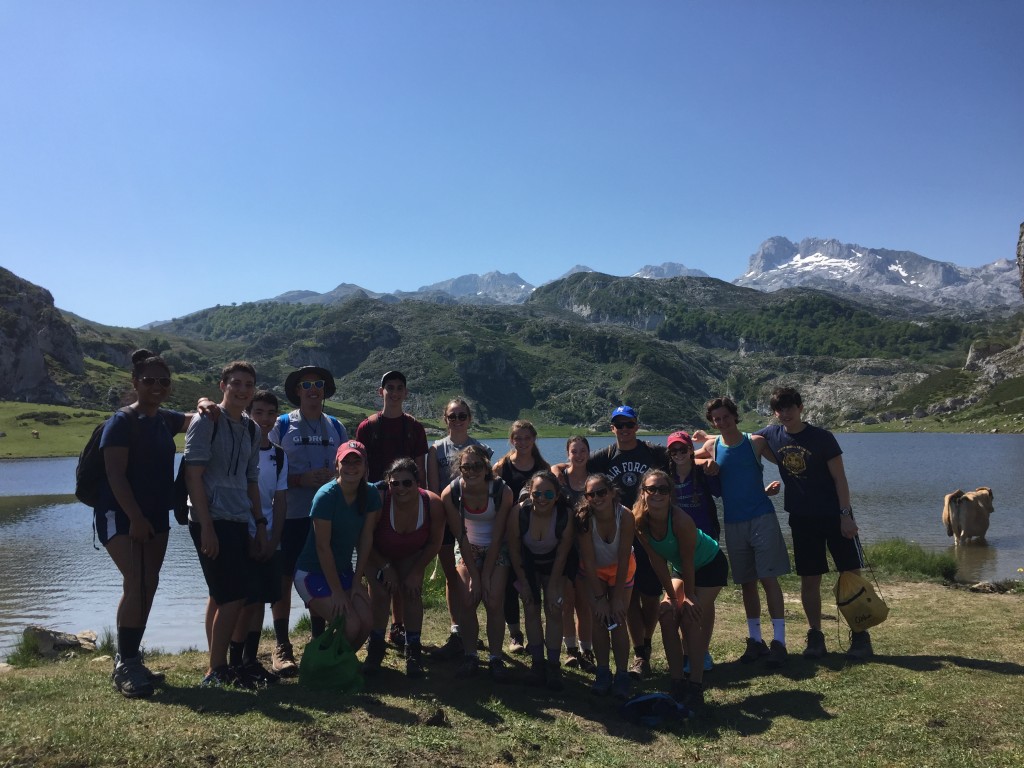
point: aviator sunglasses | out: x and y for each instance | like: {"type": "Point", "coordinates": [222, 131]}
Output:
{"type": "Point", "coordinates": [319, 384]}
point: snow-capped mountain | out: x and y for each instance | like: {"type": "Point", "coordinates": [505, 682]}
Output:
{"type": "Point", "coordinates": [669, 269]}
{"type": "Point", "coordinates": [852, 269]}
{"type": "Point", "coordinates": [493, 287]}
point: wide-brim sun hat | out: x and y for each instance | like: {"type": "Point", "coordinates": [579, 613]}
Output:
{"type": "Point", "coordinates": [291, 384]}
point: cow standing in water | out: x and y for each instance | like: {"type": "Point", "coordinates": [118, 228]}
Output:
{"type": "Point", "coordinates": [965, 515]}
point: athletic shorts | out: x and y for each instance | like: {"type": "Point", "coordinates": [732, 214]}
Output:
{"type": "Point", "coordinates": [311, 585]}
{"type": "Point", "coordinates": [610, 573]}
{"type": "Point", "coordinates": [266, 581]}
{"type": "Point", "coordinates": [812, 535]}
{"type": "Point", "coordinates": [480, 553]}
{"type": "Point", "coordinates": [114, 522]}
{"type": "Point", "coordinates": [229, 575]}
{"type": "Point", "coordinates": [647, 581]}
{"type": "Point", "coordinates": [756, 549]}
{"type": "Point", "coordinates": [293, 539]}
{"type": "Point", "coordinates": [713, 574]}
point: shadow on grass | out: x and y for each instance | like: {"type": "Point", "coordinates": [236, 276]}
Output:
{"type": "Point", "coordinates": [933, 663]}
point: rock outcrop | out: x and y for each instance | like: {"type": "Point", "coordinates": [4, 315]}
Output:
{"type": "Point", "coordinates": [32, 330]}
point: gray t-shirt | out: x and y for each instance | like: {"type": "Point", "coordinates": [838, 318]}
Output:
{"type": "Point", "coordinates": [231, 455]}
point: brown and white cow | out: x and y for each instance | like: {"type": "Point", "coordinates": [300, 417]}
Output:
{"type": "Point", "coordinates": [966, 514]}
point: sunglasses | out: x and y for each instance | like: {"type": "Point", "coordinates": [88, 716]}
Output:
{"type": "Point", "coordinates": [623, 425]}
{"type": "Point", "coordinates": [457, 416]}
{"type": "Point", "coordinates": [600, 493]}
{"type": "Point", "coordinates": [549, 495]}
{"type": "Point", "coordinates": [352, 461]}
{"type": "Point", "coordinates": [661, 490]}
{"type": "Point", "coordinates": [406, 483]}
{"type": "Point", "coordinates": [149, 381]}
{"type": "Point", "coordinates": [475, 466]}
{"type": "Point", "coordinates": [674, 451]}
{"type": "Point", "coordinates": [319, 384]}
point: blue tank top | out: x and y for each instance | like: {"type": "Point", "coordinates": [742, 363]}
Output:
{"type": "Point", "coordinates": [742, 476]}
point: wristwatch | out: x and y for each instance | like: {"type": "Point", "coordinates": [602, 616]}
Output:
{"type": "Point", "coordinates": [846, 511]}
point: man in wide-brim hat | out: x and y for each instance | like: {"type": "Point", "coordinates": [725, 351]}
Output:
{"type": "Point", "coordinates": [291, 384]}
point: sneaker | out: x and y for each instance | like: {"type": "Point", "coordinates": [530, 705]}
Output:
{"type": "Point", "coordinates": [468, 668]}
{"type": "Point", "coordinates": [154, 677]}
{"type": "Point", "coordinates": [603, 682]}
{"type": "Point", "coordinates": [258, 673]}
{"type": "Point", "coordinates": [815, 644]}
{"type": "Point", "coordinates": [498, 672]}
{"type": "Point", "coordinates": [640, 668]}
{"type": "Point", "coordinates": [375, 651]}
{"type": "Point", "coordinates": [860, 647]}
{"type": "Point", "coordinates": [282, 661]}
{"type": "Point", "coordinates": [226, 677]}
{"type": "Point", "coordinates": [130, 678]}
{"type": "Point", "coordinates": [692, 697]}
{"type": "Point", "coordinates": [621, 685]}
{"type": "Point", "coordinates": [553, 676]}
{"type": "Point", "coordinates": [516, 643]}
{"type": "Point", "coordinates": [538, 675]}
{"type": "Point", "coordinates": [777, 655]}
{"type": "Point", "coordinates": [451, 650]}
{"type": "Point", "coordinates": [755, 650]}
{"type": "Point", "coordinates": [572, 657]}
{"type": "Point", "coordinates": [588, 662]}
{"type": "Point", "coordinates": [396, 635]}
{"type": "Point", "coordinates": [414, 664]}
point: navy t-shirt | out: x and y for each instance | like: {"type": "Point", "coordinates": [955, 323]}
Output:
{"type": "Point", "coordinates": [625, 468]}
{"type": "Point", "coordinates": [803, 463]}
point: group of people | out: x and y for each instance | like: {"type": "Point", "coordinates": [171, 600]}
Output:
{"type": "Point", "coordinates": [599, 550]}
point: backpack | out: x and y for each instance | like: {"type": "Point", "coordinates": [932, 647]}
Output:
{"type": "Point", "coordinates": [654, 710]}
{"type": "Point", "coordinates": [497, 491]}
{"type": "Point", "coordinates": [91, 471]}
{"type": "Point", "coordinates": [180, 494]}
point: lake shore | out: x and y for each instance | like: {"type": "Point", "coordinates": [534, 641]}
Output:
{"type": "Point", "coordinates": [943, 690]}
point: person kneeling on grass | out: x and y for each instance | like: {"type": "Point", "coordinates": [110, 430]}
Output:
{"type": "Point", "coordinates": [606, 556]}
{"type": "Point", "coordinates": [541, 538]}
{"type": "Point", "coordinates": [407, 536]}
{"type": "Point", "coordinates": [344, 514]}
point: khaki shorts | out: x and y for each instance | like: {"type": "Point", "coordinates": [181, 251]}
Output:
{"type": "Point", "coordinates": [756, 549]}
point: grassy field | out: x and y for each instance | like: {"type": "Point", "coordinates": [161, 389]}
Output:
{"type": "Point", "coordinates": [943, 690]}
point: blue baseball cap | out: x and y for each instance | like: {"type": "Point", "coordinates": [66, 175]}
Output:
{"type": "Point", "coordinates": [625, 411]}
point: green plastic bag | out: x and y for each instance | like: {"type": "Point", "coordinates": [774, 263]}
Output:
{"type": "Point", "coordinates": [329, 663]}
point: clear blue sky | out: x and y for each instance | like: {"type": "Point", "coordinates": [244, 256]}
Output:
{"type": "Point", "coordinates": [161, 157]}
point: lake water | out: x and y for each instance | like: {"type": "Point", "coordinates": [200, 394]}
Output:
{"type": "Point", "coordinates": [51, 575]}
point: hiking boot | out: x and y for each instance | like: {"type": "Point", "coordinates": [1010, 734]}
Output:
{"type": "Point", "coordinates": [640, 668]}
{"type": "Point", "coordinates": [860, 647]}
{"type": "Point", "coordinates": [815, 644]}
{"type": "Point", "coordinates": [396, 635]}
{"type": "Point", "coordinates": [282, 661]}
{"type": "Point", "coordinates": [777, 655]}
{"type": "Point", "coordinates": [755, 650]}
{"type": "Point", "coordinates": [588, 662]}
{"type": "Point", "coordinates": [498, 672]}
{"type": "Point", "coordinates": [468, 668]}
{"type": "Point", "coordinates": [602, 682]}
{"type": "Point", "coordinates": [572, 657]}
{"type": "Point", "coordinates": [451, 650]}
{"type": "Point", "coordinates": [130, 678]}
{"type": "Point", "coordinates": [414, 662]}
{"type": "Point", "coordinates": [375, 651]}
{"type": "Point", "coordinates": [622, 685]}
{"type": "Point", "coordinates": [553, 676]}
{"type": "Point", "coordinates": [516, 643]}
{"type": "Point", "coordinates": [226, 677]}
{"type": "Point", "coordinates": [258, 673]}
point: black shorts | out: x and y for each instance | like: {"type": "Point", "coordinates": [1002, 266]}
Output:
{"type": "Point", "coordinates": [114, 522]}
{"type": "Point", "coordinates": [266, 581]}
{"type": "Point", "coordinates": [293, 539]}
{"type": "Point", "coordinates": [229, 575]}
{"type": "Point", "coordinates": [646, 581]}
{"type": "Point", "coordinates": [714, 574]}
{"type": "Point", "coordinates": [812, 535]}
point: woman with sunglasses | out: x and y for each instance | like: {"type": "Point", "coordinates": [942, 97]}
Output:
{"type": "Point", "coordinates": [606, 558]}
{"type": "Point", "coordinates": [132, 515]}
{"type": "Point", "coordinates": [683, 556]}
{"type": "Point", "coordinates": [576, 618]}
{"type": "Point", "coordinates": [329, 570]}
{"type": "Point", "coordinates": [477, 506]}
{"type": "Point", "coordinates": [515, 468]}
{"type": "Point", "coordinates": [441, 457]}
{"type": "Point", "coordinates": [695, 494]}
{"type": "Point", "coordinates": [541, 538]}
{"type": "Point", "coordinates": [407, 537]}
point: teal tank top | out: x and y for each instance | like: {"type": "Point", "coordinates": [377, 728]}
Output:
{"type": "Point", "coordinates": [668, 548]}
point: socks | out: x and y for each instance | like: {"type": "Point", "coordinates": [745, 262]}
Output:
{"type": "Point", "coordinates": [754, 630]}
{"type": "Point", "coordinates": [779, 630]}
{"type": "Point", "coordinates": [235, 653]}
{"type": "Point", "coordinates": [281, 630]}
{"type": "Point", "coordinates": [251, 647]}
{"type": "Point", "coordinates": [128, 641]}
{"type": "Point", "coordinates": [412, 639]}
{"type": "Point", "coordinates": [454, 629]}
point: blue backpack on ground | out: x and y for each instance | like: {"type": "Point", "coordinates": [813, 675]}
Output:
{"type": "Point", "coordinates": [654, 710]}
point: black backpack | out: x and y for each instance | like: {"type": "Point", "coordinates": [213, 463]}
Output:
{"type": "Point", "coordinates": [91, 471]}
{"type": "Point", "coordinates": [180, 495]}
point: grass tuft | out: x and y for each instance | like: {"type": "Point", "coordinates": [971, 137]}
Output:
{"type": "Point", "coordinates": [25, 653]}
{"type": "Point", "coordinates": [910, 560]}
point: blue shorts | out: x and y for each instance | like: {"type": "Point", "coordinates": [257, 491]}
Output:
{"type": "Point", "coordinates": [313, 586]}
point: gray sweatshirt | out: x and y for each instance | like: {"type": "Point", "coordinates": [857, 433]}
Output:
{"type": "Point", "coordinates": [231, 456]}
